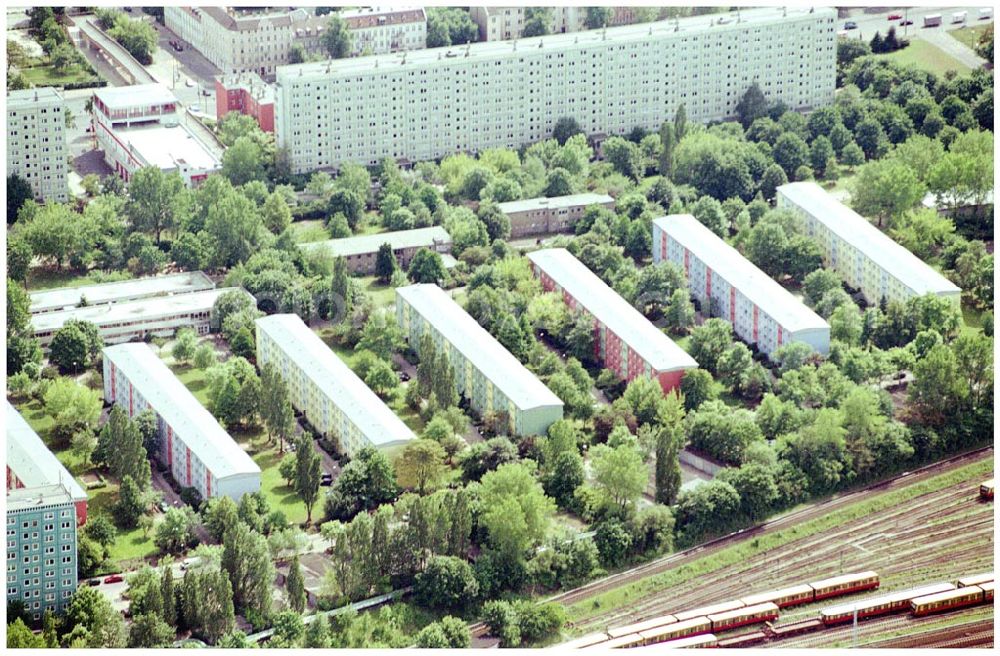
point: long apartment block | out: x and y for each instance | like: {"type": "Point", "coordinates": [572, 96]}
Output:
{"type": "Point", "coordinates": [863, 255]}
{"type": "Point", "coordinates": [321, 386]}
{"type": "Point", "coordinates": [135, 320]}
{"type": "Point", "coordinates": [727, 285]}
{"type": "Point", "coordinates": [427, 104]}
{"type": "Point", "coordinates": [535, 216]}
{"type": "Point", "coordinates": [361, 251]}
{"type": "Point", "coordinates": [198, 451]}
{"type": "Point", "coordinates": [36, 141]}
{"type": "Point", "coordinates": [486, 373]}
{"type": "Point", "coordinates": [624, 340]}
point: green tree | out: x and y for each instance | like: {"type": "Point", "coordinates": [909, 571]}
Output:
{"type": "Point", "coordinates": [446, 583]}
{"type": "Point", "coordinates": [101, 624]}
{"type": "Point", "coordinates": [790, 152]}
{"type": "Point", "coordinates": [697, 387]}
{"type": "Point", "coordinates": [75, 346]}
{"type": "Point", "coordinates": [295, 588]}
{"type": "Point", "coordinates": [149, 630]}
{"type": "Point", "coordinates": [680, 313]}
{"type": "Point", "coordinates": [307, 474]}
{"type": "Point", "coordinates": [565, 128]}
{"type": "Point", "coordinates": [19, 191]}
{"type": "Point", "coordinates": [886, 189]}
{"type": "Point", "coordinates": [277, 216]}
{"type": "Point", "coordinates": [157, 201]}
{"type": "Point", "coordinates": [709, 341]}
{"type": "Point", "coordinates": [751, 106]}
{"type": "Point", "coordinates": [426, 267]}
{"type": "Point", "coordinates": [176, 532]}
{"type": "Point", "coordinates": [72, 407]}
{"type": "Point", "coordinates": [516, 511]}
{"type": "Point", "coordinates": [619, 472]}
{"type": "Point", "coordinates": [385, 263]}
{"type": "Point", "coordinates": [246, 560]}
{"type": "Point", "coordinates": [337, 38]}
{"type": "Point", "coordinates": [420, 465]}
{"type": "Point", "coordinates": [537, 21]}
{"type": "Point", "coordinates": [185, 344]}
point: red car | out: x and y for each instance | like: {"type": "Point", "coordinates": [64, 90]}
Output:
{"type": "Point", "coordinates": [895, 16]}
{"type": "Point", "coordinates": [114, 578]}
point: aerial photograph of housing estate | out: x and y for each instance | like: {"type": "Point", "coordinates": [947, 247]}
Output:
{"type": "Point", "coordinates": [470, 327]}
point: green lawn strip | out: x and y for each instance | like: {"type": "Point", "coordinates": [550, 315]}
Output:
{"type": "Point", "coordinates": [627, 594]}
{"type": "Point", "coordinates": [309, 230]}
{"type": "Point", "coordinates": [279, 495]}
{"type": "Point", "coordinates": [927, 56]}
{"type": "Point", "coordinates": [47, 76]}
{"type": "Point", "coordinates": [973, 319]}
{"type": "Point", "coordinates": [41, 277]}
{"type": "Point", "coordinates": [382, 296]}
{"type": "Point", "coordinates": [969, 35]}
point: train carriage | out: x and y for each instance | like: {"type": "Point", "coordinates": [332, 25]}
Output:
{"type": "Point", "coordinates": [623, 642]}
{"type": "Point", "coordinates": [945, 601]}
{"type": "Point", "coordinates": [585, 641]}
{"type": "Point", "coordinates": [653, 623]}
{"type": "Point", "coordinates": [987, 589]}
{"type": "Point", "coordinates": [741, 616]}
{"type": "Point", "coordinates": [679, 629]}
{"type": "Point", "coordinates": [745, 640]}
{"type": "Point", "coordinates": [975, 579]}
{"type": "Point", "coordinates": [986, 489]}
{"type": "Point", "coordinates": [844, 584]}
{"type": "Point", "coordinates": [709, 610]}
{"type": "Point", "coordinates": [890, 603]}
{"type": "Point", "coordinates": [705, 640]}
{"type": "Point", "coordinates": [791, 596]}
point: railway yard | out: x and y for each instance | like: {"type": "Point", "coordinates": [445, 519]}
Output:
{"type": "Point", "coordinates": [940, 531]}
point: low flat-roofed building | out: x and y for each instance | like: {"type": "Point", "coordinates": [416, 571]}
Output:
{"type": "Point", "coordinates": [30, 463]}
{"type": "Point", "coordinates": [321, 386]}
{"type": "Point", "coordinates": [864, 256]}
{"type": "Point", "coordinates": [140, 125]}
{"type": "Point", "coordinates": [198, 451]}
{"type": "Point", "coordinates": [248, 94]}
{"type": "Point", "coordinates": [41, 549]}
{"type": "Point", "coordinates": [486, 373]}
{"type": "Point", "coordinates": [535, 216]}
{"type": "Point", "coordinates": [762, 312]}
{"type": "Point", "coordinates": [67, 298]}
{"type": "Point", "coordinates": [135, 320]}
{"type": "Point", "coordinates": [361, 251]}
{"type": "Point", "coordinates": [624, 340]}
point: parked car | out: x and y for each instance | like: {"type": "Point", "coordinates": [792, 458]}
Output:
{"type": "Point", "coordinates": [94, 582]}
{"type": "Point", "coordinates": [114, 578]}
{"type": "Point", "coordinates": [895, 16]}
{"type": "Point", "coordinates": [164, 506]}
{"type": "Point", "coordinates": [905, 22]}
{"type": "Point", "coordinates": [180, 48]}
{"type": "Point", "coordinates": [850, 25]}
{"type": "Point", "coordinates": [326, 480]}
{"type": "Point", "coordinates": [403, 376]}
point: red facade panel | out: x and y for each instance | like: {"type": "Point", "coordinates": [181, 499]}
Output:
{"type": "Point", "coordinates": [670, 380]}
{"type": "Point", "coordinates": [755, 324]}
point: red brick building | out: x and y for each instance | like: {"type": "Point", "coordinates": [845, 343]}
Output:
{"type": "Point", "coordinates": [247, 94]}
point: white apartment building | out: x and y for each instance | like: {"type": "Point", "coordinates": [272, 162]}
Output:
{"type": "Point", "coordinates": [378, 30]}
{"type": "Point", "coordinates": [427, 104]}
{"type": "Point", "coordinates": [255, 40]}
{"type": "Point", "coordinates": [503, 23]}
{"type": "Point", "coordinates": [199, 452]}
{"type": "Point", "coordinates": [36, 141]}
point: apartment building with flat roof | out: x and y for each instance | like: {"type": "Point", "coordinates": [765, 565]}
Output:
{"type": "Point", "coordinates": [67, 298]}
{"type": "Point", "coordinates": [36, 141]}
{"type": "Point", "coordinates": [321, 386]}
{"type": "Point", "coordinates": [430, 103]}
{"type": "Point", "coordinates": [376, 30]}
{"type": "Point", "coordinates": [624, 341]}
{"type": "Point", "coordinates": [159, 316]}
{"type": "Point", "coordinates": [198, 451]}
{"type": "Point", "coordinates": [360, 251]}
{"type": "Point", "coordinates": [538, 216]}
{"type": "Point", "coordinates": [762, 312]}
{"type": "Point", "coordinates": [247, 94]}
{"type": "Point", "coordinates": [140, 125]}
{"type": "Point", "coordinates": [486, 373]}
{"type": "Point", "coordinates": [865, 257]}
{"type": "Point", "coordinates": [503, 23]}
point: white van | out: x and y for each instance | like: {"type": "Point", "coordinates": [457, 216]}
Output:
{"type": "Point", "coordinates": [985, 12]}
{"type": "Point", "coordinates": [958, 17]}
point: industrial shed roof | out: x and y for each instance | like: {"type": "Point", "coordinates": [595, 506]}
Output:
{"type": "Point", "coordinates": [859, 232]}
{"type": "Point", "coordinates": [189, 419]}
{"type": "Point", "coordinates": [127, 290]}
{"type": "Point", "coordinates": [604, 303]}
{"type": "Point", "coordinates": [32, 462]}
{"type": "Point", "coordinates": [741, 273]}
{"type": "Point", "coordinates": [329, 373]}
{"type": "Point", "coordinates": [478, 346]}
{"type": "Point", "coordinates": [556, 202]}
{"type": "Point", "coordinates": [361, 244]}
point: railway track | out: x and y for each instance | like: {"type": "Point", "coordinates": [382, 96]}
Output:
{"type": "Point", "coordinates": [970, 634]}
{"type": "Point", "coordinates": [813, 556]}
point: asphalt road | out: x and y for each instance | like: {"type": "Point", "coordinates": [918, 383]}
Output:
{"type": "Point", "coordinates": [868, 24]}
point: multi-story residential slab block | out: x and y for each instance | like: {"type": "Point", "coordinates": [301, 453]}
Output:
{"type": "Point", "coordinates": [762, 312]}
{"type": "Point", "coordinates": [361, 251]}
{"type": "Point", "coordinates": [135, 320]}
{"type": "Point", "coordinates": [624, 340]}
{"type": "Point", "coordinates": [140, 125]}
{"type": "Point", "coordinates": [66, 298]}
{"type": "Point", "coordinates": [486, 373]}
{"type": "Point", "coordinates": [427, 104]}
{"type": "Point", "coordinates": [321, 386]}
{"type": "Point", "coordinates": [247, 94]}
{"type": "Point", "coordinates": [535, 216]}
{"type": "Point", "coordinates": [198, 451]}
{"type": "Point", "coordinates": [376, 30]}
{"type": "Point", "coordinates": [863, 255]}
{"type": "Point", "coordinates": [36, 141]}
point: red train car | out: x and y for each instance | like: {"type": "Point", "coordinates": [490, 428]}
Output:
{"type": "Point", "coordinates": [945, 601]}
{"type": "Point", "coordinates": [844, 584]}
{"type": "Point", "coordinates": [791, 596]}
{"type": "Point", "coordinates": [750, 615]}
{"type": "Point", "coordinates": [890, 603]}
{"type": "Point", "coordinates": [745, 640]}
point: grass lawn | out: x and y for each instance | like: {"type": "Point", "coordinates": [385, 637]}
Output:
{"type": "Point", "coordinates": [927, 56]}
{"type": "Point", "coordinates": [381, 295]}
{"type": "Point", "coordinates": [973, 320]}
{"type": "Point", "coordinates": [45, 75]}
{"type": "Point", "coordinates": [279, 495]}
{"type": "Point", "coordinates": [969, 35]}
{"type": "Point", "coordinates": [309, 230]}
{"type": "Point", "coordinates": [41, 277]}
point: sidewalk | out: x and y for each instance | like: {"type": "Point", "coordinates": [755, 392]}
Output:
{"type": "Point", "coordinates": [954, 47]}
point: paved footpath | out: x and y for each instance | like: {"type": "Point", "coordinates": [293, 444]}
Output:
{"type": "Point", "coordinates": [954, 47]}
